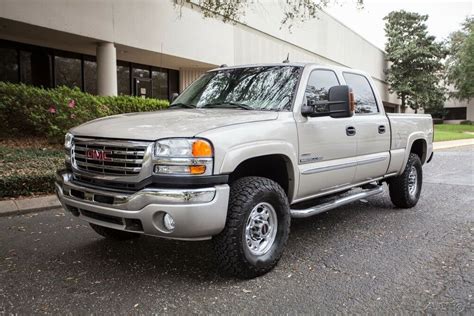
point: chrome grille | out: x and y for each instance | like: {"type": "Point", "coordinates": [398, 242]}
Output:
{"type": "Point", "coordinates": [116, 158]}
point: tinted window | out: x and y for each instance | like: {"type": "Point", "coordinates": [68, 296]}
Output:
{"type": "Point", "coordinates": [8, 65]}
{"type": "Point", "coordinates": [318, 85]}
{"type": "Point", "coordinates": [259, 88]}
{"type": "Point", "coordinates": [90, 76]}
{"type": "Point", "coordinates": [123, 79]}
{"type": "Point", "coordinates": [159, 84]}
{"type": "Point", "coordinates": [364, 96]}
{"type": "Point", "coordinates": [67, 72]}
{"type": "Point", "coordinates": [25, 67]}
{"type": "Point", "coordinates": [141, 72]}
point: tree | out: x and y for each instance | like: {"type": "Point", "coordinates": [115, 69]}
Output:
{"type": "Point", "coordinates": [415, 61]}
{"type": "Point", "coordinates": [460, 61]}
{"type": "Point", "coordinates": [234, 10]}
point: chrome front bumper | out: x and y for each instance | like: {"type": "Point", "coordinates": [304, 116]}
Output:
{"type": "Point", "coordinates": [198, 213]}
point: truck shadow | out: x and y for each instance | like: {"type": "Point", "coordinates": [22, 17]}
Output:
{"type": "Point", "coordinates": [150, 259]}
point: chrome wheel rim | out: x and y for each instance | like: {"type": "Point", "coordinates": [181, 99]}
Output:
{"type": "Point", "coordinates": [261, 229]}
{"type": "Point", "coordinates": [412, 181]}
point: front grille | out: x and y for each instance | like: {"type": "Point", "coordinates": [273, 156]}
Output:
{"type": "Point", "coordinates": [112, 159]}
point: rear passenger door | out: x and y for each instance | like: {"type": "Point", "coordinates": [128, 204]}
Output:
{"type": "Point", "coordinates": [372, 128]}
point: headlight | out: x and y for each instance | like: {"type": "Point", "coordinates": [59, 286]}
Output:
{"type": "Point", "coordinates": [68, 140]}
{"type": "Point", "coordinates": [183, 156]}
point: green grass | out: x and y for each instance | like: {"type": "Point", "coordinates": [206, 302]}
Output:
{"type": "Point", "coordinates": [28, 171]}
{"type": "Point", "coordinates": [444, 132]}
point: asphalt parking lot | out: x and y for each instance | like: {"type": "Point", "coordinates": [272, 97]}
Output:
{"type": "Point", "coordinates": [363, 258]}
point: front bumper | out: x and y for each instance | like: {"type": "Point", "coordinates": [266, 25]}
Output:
{"type": "Point", "coordinates": [198, 213]}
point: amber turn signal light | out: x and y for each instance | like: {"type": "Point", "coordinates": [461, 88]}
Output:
{"type": "Point", "coordinates": [201, 148]}
{"type": "Point", "coordinates": [197, 169]}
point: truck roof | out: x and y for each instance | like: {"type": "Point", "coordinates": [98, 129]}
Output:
{"type": "Point", "coordinates": [293, 64]}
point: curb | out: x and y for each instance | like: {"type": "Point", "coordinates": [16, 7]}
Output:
{"type": "Point", "coordinates": [453, 143]}
{"type": "Point", "coordinates": [29, 205]}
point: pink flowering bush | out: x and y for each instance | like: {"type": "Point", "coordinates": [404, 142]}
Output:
{"type": "Point", "coordinates": [27, 110]}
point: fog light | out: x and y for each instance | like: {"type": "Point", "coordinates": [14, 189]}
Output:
{"type": "Point", "coordinates": [168, 222]}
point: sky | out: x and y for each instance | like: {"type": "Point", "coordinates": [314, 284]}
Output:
{"type": "Point", "coordinates": [445, 16]}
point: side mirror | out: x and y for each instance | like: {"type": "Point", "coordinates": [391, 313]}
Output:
{"type": "Point", "coordinates": [340, 103]}
{"type": "Point", "coordinates": [174, 96]}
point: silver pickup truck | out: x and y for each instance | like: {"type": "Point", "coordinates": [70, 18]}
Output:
{"type": "Point", "coordinates": [238, 154]}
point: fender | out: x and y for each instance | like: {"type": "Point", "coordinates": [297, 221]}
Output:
{"type": "Point", "coordinates": [238, 154]}
{"type": "Point", "coordinates": [411, 139]}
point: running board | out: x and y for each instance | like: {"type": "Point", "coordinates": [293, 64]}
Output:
{"type": "Point", "coordinates": [302, 213]}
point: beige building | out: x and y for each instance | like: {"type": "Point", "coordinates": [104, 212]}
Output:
{"type": "Point", "coordinates": [153, 48]}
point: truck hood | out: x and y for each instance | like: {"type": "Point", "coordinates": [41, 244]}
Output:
{"type": "Point", "coordinates": [168, 123]}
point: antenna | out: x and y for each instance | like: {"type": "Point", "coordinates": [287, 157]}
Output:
{"type": "Point", "coordinates": [287, 60]}
{"type": "Point", "coordinates": [223, 66]}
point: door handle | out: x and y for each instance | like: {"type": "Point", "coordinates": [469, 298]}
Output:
{"type": "Point", "coordinates": [350, 131]}
{"type": "Point", "coordinates": [381, 129]}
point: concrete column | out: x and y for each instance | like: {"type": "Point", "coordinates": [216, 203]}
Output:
{"type": "Point", "coordinates": [106, 69]}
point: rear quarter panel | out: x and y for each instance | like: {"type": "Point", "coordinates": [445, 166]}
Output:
{"type": "Point", "coordinates": [406, 129]}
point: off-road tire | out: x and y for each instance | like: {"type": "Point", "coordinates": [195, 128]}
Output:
{"type": "Point", "coordinates": [233, 255]}
{"type": "Point", "coordinates": [113, 234]}
{"type": "Point", "coordinates": [399, 185]}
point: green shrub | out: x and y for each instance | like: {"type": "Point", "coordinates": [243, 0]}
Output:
{"type": "Point", "coordinates": [466, 122]}
{"type": "Point", "coordinates": [27, 110]}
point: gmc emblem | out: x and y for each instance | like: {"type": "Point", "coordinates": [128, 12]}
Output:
{"type": "Point", "coordinates": [95, 154]}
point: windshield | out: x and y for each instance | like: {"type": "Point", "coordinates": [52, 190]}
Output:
{"type": "Point", "coordinates": [253, 88]}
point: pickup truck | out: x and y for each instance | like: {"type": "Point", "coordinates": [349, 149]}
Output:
{"type": "Point", "coordinates": [238, 154]}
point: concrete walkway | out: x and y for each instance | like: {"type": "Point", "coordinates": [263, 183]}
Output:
{"type": "Point", "coordinates": [453, 143]}
{"type": "Point", "coordinates": [28, 205]}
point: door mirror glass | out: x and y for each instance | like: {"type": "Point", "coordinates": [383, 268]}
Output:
{"type": "Point", "coordinates": [340, 103]}
{"type": "Point", "coordinates": [174, 96]}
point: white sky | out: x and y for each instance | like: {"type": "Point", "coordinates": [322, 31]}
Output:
{"type": "Point", "coordinates": [445, 16]}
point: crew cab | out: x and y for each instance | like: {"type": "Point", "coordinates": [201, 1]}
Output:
{"type": "Point", "coordinates": [238, 154]}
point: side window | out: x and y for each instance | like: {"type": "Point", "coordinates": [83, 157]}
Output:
{"type": "Point", "coordinates": [363, 93]}
{"type": "Point", "coordinates": [318, 85]}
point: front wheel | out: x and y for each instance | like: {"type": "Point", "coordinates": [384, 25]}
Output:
{"type": "Point", "coordinates": [405, 189]}
{"type": "Point", "coordinates": [256, 230]}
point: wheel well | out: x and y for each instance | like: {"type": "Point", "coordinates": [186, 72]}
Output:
{"type": "Point", "coordinates": [275, 167]}
{"type": "Point", "coordinates": [419, 148]}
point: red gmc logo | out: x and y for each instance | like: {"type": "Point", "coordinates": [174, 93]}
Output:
{"type": "Point", "coordinates": [95, 154]}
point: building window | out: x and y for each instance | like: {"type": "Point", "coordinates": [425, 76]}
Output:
{"type": "Point", "coordinates": [363, 94]}
{"type": "Point", "coordinates": [8, 64]}
{"type": "Point", "coordinates": [90, 76]}
{"type": "Point", "coordinates": [25, 67]}
{"type": "Point", "coordinates": [159, 84]}
{"type": "Point", "coordinates": [68, 72]}
{"type": "Point", "coordinates": [123, 79]}
{"type": "Point", "coordinates": [456, 113]}
{"type": "Point", "coordinates": [173, 82]}
{"type": "Point", "coordinates": [47, 68]}
{"type": "Point", "coordinates": [141, 72]}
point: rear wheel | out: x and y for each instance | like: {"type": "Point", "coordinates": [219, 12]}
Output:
{"type": "Point", "coordinates": [114, 234]}
{"type": "Point", "coordinates": [405, 189]}
{"type": "Point", "coordinates": [257, 228]}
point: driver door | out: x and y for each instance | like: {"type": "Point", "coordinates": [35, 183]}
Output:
{"type": "Point", "coordinates": [327, 146]}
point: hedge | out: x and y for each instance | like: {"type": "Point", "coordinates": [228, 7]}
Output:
{"type": "Point", "coordinates": [27, 110]}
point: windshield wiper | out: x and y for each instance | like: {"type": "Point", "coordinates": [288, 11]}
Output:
{"type": "Point", "coordinates": [182, 105]}
{"type": "Point", "coordinates": [228, 105]}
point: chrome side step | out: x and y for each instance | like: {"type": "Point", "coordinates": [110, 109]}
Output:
{"type": "Point", "coordinates": [302, 213]}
